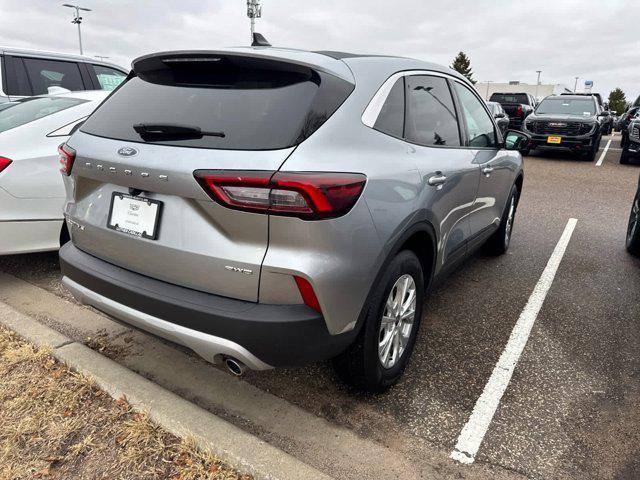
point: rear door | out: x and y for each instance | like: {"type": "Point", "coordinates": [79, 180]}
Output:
{"type": "Point", "coordinates": [450, 177]}
{"type": "Point", "coordinates": [254, 113]}
{"type": "Point", "coordinates": [483, 142]}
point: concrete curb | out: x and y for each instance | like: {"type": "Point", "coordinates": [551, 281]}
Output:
{"type": "Point", "coordinates": [243, 451]}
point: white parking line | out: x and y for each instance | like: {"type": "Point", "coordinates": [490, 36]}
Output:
{"type": "Point", "coordinates": [476, 427]}
{"type": "Point", "coordinates": [604, 153]}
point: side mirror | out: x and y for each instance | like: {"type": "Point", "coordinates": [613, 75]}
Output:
{"type": "Point", "coordinates": [516, 140]}
{"type": "Point", "coordinates": [499, 115]}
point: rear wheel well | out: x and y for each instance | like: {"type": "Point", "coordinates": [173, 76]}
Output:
{"type": "Point", "coordinates": [519, 183]}
{"type": "Point", "coordinates": [422, 245]}
{"type": "Point", "coordinates": [64, 234]}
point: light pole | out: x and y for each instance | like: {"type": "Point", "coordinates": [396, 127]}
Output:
{"type": "Point", "coordinates": [486, 96]}
{"type": "Point", "coordinates": [77, 20]}
{"type": "Point", "coordinates": [575, 85]}
{"type": "Point", "coordinates": [254, 10]}
{"type": "Point", "coordinates": [538, 83]}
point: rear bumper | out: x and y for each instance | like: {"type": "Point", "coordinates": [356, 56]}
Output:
{"type": "Point", "coordinates": [261, 336]}
{"type": "Point", "coordinates": [29, 236]}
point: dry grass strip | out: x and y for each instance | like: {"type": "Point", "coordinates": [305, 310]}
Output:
{"type": "Point", "coordinates": [56, 424]}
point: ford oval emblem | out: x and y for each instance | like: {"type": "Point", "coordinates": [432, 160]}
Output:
{"type": "Point", "coordinates": [127, 152]}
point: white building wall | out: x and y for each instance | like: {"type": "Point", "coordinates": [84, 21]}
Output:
{"type": "Point", "coordinates": [485, 89]}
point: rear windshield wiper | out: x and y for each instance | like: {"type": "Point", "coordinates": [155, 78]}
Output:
{"type": "Point", "coordinates": [167, 131]}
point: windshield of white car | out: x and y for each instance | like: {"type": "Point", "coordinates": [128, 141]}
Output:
{"type": "Point", "coordinates": [32, 109]}
{"type": "Point", "coordinates": [567, 106]}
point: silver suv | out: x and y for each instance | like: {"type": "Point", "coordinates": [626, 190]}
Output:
{"type": "Point", "coordinates": [268, 207]}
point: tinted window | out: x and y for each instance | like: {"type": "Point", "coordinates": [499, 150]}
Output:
{"type": "Point", "coordinates": [567, 106]}
{"type": "Point", "coordinates": [108, 78]}
{"type": "Point", "coordinates": [510, 98]}
{"type": "Point", "coordinates": [480, 127]}
{"type": "Point", "coordinates": [52, 73]}
{"type": "Point", "coordinates": [31, 109]}
{"type": "Point", "coordinates": [391, 118]}
{"type": "Point", "coordinates": [249, 104]}
{"type": "Point", "coordinates": [16, 77]}
{"type": "Point", "coordinates": [431, 116]}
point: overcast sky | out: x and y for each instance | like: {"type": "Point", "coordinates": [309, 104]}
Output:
{"type": "Point", "coordinates": [597, 40]}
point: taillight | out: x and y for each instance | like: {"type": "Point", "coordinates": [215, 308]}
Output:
{"type": "Point", "coordinates": [520, 112]}
{"type": "Point", "coordinates": [307, 293]}
{"type": "Point", "coordinates": [4, 163]}
{"type": "Point", "coordinates": [66, 155]}
{"type": "Point", "coordinates": [308, 195]}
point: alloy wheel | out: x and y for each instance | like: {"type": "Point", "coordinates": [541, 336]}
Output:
{"type": "Point", "coordinates": [397, 321]}
{"type": "Point", "coordinates": [510, 216]}
{"type": "Point", "coordinates": [634, 219]}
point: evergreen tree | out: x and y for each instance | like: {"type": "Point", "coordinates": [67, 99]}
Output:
{"type": "Point", "coordinates": [462, 65]}
{"type": "Point", "coordinates": [617, 101]}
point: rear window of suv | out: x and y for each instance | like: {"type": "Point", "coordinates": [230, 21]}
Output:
{"type": "Point", "coordinates": [510, 98]}
{"type": "Point", "coordinates": [243, 103]}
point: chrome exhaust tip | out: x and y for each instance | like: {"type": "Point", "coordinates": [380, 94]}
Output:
{"type": "Point", "coordinates": [235, 367]}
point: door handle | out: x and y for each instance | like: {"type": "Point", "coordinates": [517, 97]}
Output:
{"type": "Point", "coordinates": [487, 171]}
{"type": "Point", "coordinates": [437, 180]}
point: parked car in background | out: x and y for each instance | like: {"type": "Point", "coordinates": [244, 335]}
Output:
{"type": "Point", "coordinates": [24, 73]}
{"type": "Point", "coordinates": [570, 123]}
{"type": "Point", "coordinates": [633, 229]}
{"type": "Point", "coordinates": [631, 147]}
{"type": "Point", "coordinates": [500, 116]}
{"type": "Point", "coordinates": [623, 124]}
{"type": "Point", "coordinates": [31, 187]}
{"type": "Point", "coordinates": [290, 223]}
{"type": "Point", "coordinates": [603, 105]}
{"type": "Point", "coordinates": [517, 106]}
{"type": "Point", "coordinates": [606, 122]}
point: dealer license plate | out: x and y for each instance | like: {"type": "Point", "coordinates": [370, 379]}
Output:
{"type": "Point", "coordinates": [136, 216]}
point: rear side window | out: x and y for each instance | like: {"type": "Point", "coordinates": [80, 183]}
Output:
{"type": "Point", "coordinates": [52, 73]}
{"type": "Point", "coordinates": [32, 109]}
{"type": "Point", "coordinates": [510, 98]}
{"type": "Point", "coordinates": [480, 127]}
{"type": "Point", "coordinates": [431, 116]}
{"type": "Point", "coordinates": [16, 77]}
{"type": "Point", "coordinates": [238, 103]}
{"type": "Point", "coordinates": [391, 118]}
{"type": "Point", "coordinates": [108, 78]}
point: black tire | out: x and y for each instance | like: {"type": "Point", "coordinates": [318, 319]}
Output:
{"type": "Point", "coordinates": [360, 366]}
{"type": "Point", "coordinates": [64, 234]}
{"type": "Point", "coordinates": [590, 155]}
{"type": "Point", "coordinates": [625, 158]}
{"type": "Point", "coordinates": [525, 152]}
{"type": "Point", "coordinates": [633, 230]}
{"type": "Point", "coordinates": [498, 243]}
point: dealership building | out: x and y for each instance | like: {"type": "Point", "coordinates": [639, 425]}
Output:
{"type": "Point", "coordinates": [540, 91]}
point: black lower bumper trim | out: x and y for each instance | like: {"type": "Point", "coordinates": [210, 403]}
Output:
{"type": "Point", "coordinates": [280, 335]}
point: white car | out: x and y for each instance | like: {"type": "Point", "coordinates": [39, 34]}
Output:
{"type": "Point", "coordinates": [31, 188]}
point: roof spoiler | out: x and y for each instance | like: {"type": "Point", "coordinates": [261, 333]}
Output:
{"type": "Point", "coordinates": [208, 68]}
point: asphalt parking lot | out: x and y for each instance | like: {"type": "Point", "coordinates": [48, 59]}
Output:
{"type": "Point", "coordinates": [570, 409]}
